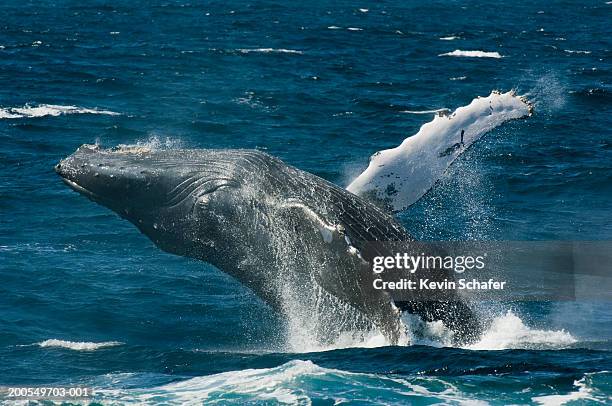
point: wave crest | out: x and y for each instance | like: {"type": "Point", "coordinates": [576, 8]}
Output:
{"type": "Point", "coordinates": [77, 345]}
{"type": "Point", "coordinates": [52, 110]}
{"type": "Point", "coordinates": [473, 54]}
{"type": "Point", "coordinates": [295, 382]}
{"type": "Point", "coordinates": [269, 51]}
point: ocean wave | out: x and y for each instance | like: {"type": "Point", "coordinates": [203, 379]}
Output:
{"type": "Point", "coordinates": [270, 50]}
{"type": "Point", "coordinates": [449, 38]}
{"type": "Point", "coordinates": [295, 382]}
{"type": "Point", "coordinates": [53, 110]}
{"type": "Point", "coordinates": [77, 345]}
{"type": "Point", "coordinates": [473, 54]}
{"type": "Point", "coordinates": [587, 391]}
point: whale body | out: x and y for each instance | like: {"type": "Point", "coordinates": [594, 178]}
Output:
{"type": "Point", "coordinates": [291, 237]}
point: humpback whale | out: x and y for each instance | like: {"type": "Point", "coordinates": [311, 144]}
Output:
{"type": "Point", "coordinates": [291, 237]}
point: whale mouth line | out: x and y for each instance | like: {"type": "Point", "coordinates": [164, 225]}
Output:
{"type": "Point", "coordinates": [76, 187]}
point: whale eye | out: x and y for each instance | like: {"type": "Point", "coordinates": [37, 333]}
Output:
{"type": "Point", "coordinates": [204, 195]}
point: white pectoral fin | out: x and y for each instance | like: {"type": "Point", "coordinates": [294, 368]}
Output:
{"type": "Point", "coordinates": [400, 176]}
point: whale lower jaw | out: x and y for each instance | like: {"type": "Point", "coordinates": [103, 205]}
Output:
{"type": "Point", "coordinates": [78, 188]}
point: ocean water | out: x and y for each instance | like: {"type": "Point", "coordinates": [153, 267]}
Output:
{"type": "Point", "coordinates": [85, 299]}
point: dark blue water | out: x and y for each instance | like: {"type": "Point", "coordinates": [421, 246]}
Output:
{"type": "Point", "coordinates": [295, 81]}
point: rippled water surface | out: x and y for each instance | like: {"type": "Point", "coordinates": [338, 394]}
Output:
{"type": "Point", "coordinates": [86, 299]}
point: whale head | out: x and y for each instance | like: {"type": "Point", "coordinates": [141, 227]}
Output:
{"type": "Point", "coordinates": [188, 202]}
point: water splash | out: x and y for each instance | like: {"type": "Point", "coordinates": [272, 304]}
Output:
{"type": "Point", "coordinates": [549, 94]}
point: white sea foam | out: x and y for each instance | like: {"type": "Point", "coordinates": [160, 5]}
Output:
{"type": "Point", "coordinates": [364, 10]}
{"type": "Point", "coordinates": [294, 382]}
{"type": "Point", "coordinates": [583, 394]}
{"type": "Point", "coordinates": [264, 385]}
{"type": "Point", "coordinates": [506, 331]}
{"type": "Point", "coordinates": [354, 29]}
{"type": "Point", "coordinates": [442, 110]}
{"type": "Point", "coordinates": [572, 51]}
{"type": "Point", "coordinates": [472, 54]}
{"type": "Point", "coordinates": [509, 331]}
{"type": "Point", "coordinates": [78, 345]}
{"type": "Point", "coordinates": [53, 110]}
{"type": "Point", "coordinates": [449, 38]}
{"type": "Point", "coordinates": [402, 175]}
{"type": "Point", "coordinates": [334, 27]}
{"type": "Point", "coordinates": [270, 50]}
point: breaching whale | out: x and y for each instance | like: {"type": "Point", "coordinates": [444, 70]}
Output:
{"type": "Point", "coordinates": [291, 237]}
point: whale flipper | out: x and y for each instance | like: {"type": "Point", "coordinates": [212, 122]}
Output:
{"type": "Point", "coordinates": [398, 177]}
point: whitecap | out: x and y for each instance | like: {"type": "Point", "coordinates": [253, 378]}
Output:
{"type": "Point", "coordinates": [364, 10]}
{"type": "Point", "coordinates": [52, 110]}
{"type": "Point", "coordinates": [510, 332]}
{"type": "Point", "coordinates": [582, 395]}
{"type": "Point", "coordinates": [270, 50]}
{"type": "Point", "coordinates": [472, 54]}
{"type": "Point", "coordinates": [77, 345]}
{"type": "Point", "coordinates": [449, 38]}
{"type": "Point", "coordinates": [354, 29]}
{"type": "Point", "coordinates": [436, 111]}
{"type": "Point", "coordinates": [291, 383]}
{"type": "Point", "coordinates": [334, 27]}
{"type": "Point", "coordinates": [571, 51]}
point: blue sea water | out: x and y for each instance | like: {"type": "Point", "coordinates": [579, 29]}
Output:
{"type": "Point", "coordinates": [322, 85]}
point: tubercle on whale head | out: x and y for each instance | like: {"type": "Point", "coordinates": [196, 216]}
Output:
{"type": "Point", "coordinates": [105, 176]}
{"type": "Point", "coordinates": [159, 191]}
